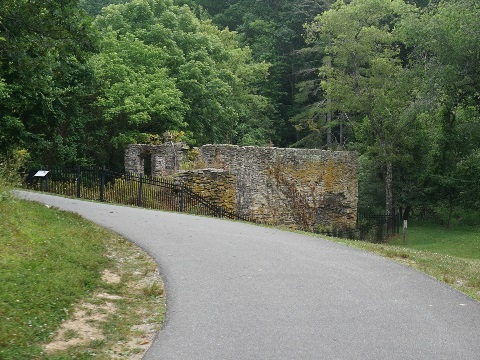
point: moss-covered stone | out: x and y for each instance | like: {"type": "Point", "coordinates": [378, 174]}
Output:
{"type": "Point", "coordinates": [301, 188]}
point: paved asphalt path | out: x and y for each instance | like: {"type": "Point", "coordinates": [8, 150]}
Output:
{"type": "Point", "coordinates": [238, 291]}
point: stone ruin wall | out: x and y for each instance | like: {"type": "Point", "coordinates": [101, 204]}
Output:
{"type": "Point", "coordinates": [165, 159]}
{"type": "Point", "coordinates": [216, 185]}
{"type": "Point", "coordinates": [301, 188]}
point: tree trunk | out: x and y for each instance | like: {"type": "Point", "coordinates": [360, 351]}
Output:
{"type": "Point", "coordinates": [329, 129]}
{"type": "Point", "coordinates": [389, 189]}
{"type": "Point", "coordinates": [389, 197]}
{"type": "Point", "coordinates": [329, 115]}
{"type": "Point", "coordinates": [341, 132]}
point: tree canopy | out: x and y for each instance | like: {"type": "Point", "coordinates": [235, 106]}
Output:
{"type": "Point", "coordinates": [44, 48]}
{"type": "Point", "coordinates": [397, 81]}
{"type": "Point", "coordinates": [165, 69]}
{"type": "Point", "coordinates": [363, 74]}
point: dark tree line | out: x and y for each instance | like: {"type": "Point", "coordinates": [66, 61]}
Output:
{"type": "Point", "coordinates": [397, 81]}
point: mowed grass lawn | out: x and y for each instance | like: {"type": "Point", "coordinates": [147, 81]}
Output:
{"type": "Point", "coordinates": [460, 241]}
{"type": "Point", "coordinates": [48, 261]}
{"type": "Point", "coordinates": [53, 265]}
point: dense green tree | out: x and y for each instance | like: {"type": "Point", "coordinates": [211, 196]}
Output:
{"type": "Point", "coordinates": [45, 81]}
{"type": "Point", "coordinates": [364, 76]}
{"type": "Point", "coordinates": [445, 51]}
{"type": "Point", "coordinates": [161, 68]}
{"type": "Point", "coordinates": [137, 98]}
{"type": "Point", "coordinates": [274, 32]}
{"type": "Point", "coordinates": [94, 7]}
{"type": "Point", "coordinates": [396, 80]}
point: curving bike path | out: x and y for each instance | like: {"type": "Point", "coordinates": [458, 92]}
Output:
{"type": "Point", "coordinates": [239, 291]}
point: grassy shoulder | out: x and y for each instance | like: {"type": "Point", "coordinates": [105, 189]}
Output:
{"type": "Point", "coordinates": [460, 241]}
{"type": "Point", "coordinates": [56, 267]}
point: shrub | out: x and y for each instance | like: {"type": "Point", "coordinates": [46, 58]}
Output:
{"type": "Point", "coordinates": [10, 172]}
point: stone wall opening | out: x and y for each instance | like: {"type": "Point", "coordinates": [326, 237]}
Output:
{"type": "Point", "coordinates": [146, 163]}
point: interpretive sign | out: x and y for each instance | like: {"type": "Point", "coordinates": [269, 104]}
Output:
{"type": "Point", "coordinates": [41, 173]}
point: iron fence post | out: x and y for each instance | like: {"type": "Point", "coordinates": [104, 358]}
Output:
{"type": "Point", "coordinates": [78, 180]}
{"type": "Point", "coordinates": [182, 193]}
{"type": "Point", "coordinates": [41, 182]}
{"type": "Point", "coordinates": [102, 184]}
{"type": "Point", "coordinates": [46, 180]}
{"type": "Point", "coordinates": [399, 221]}
{"type": "Point", "coordinates": [168, 194]}
{"type": "Point", "coordinates": [140, 191]}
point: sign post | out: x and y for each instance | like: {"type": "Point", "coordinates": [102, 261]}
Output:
{"type": "Point", "coordinates": [405, 223]}
{"type": "Point", "coordinates": [43, 175]}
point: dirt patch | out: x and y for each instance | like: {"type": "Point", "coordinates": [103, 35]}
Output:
{"type": "Point", "coordinates": [82, 327]}
{"type": "Point", "coordinates": [120, 320]}
{"type": "Point", "coordinates": [111, 277]}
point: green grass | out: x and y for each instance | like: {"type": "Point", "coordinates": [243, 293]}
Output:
{"type": "Point", "coordinates": [51, 265]}
{"type": "Point", "coordinates": [48, 261]}
{"type": "Point", "coordinates": [139, 301]}
{"type": "Point", "coordinates": [459, 241]}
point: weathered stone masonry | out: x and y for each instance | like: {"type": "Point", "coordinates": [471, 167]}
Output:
{"type": "Point", "coordinates": [303, 188]}
{"type": "Point", "coordinates": [215, 184]}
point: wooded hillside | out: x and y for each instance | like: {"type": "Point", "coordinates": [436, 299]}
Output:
{"type": "Point", "coordinates": [397, 81]}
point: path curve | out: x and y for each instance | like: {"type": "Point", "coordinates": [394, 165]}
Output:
{"type": "Point", "coordinates": [239, 291]}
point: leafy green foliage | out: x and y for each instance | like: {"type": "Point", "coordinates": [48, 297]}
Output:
{"type": "Point", "coordinates": [365, 77]}
{"type": "Point", "coordinates": [274, 32]}
{"type": "Point", "coordinates": [94, 7]}
{"type": "Point", "coordinates": [10, 170]}
{"type": "Point", "coordinates": [397, 81]}
{"type": "Point", "coordinates": [43, 51]}
{"type": "Point", "coordinates": [407, 82]}
{"type": "Point", "coordinates": [161, 68]}
{"type": "Point", "coordinates": [445, 48]}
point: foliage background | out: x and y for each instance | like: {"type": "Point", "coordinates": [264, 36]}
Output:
{"type": "Point", "coordinates": [80, 79]}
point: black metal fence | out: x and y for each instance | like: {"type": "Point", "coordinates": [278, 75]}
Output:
{"type": "Point", "coordinates": [128, 189]}
{"type": "Point", "coordinates": [370, 227]}
{"type": "Point", "coordinates": [377, 227]}
{"type": "Point", "coordinates": [173, 195]}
